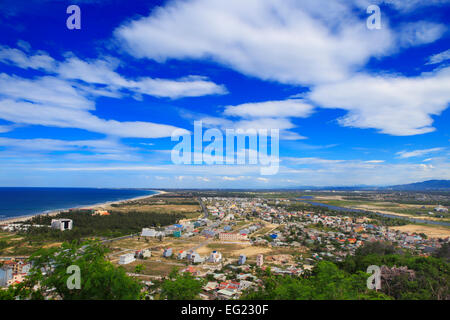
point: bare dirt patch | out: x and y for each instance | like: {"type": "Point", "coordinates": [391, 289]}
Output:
{"type": "Point", "coordinates": [430, 231]}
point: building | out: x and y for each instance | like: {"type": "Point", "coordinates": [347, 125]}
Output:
{"type": "Point", "coordinates": [142, 254]}
{"type": "Point", "coordinates": [62, 224]}
{"type": "Point", "coordinates": [440, 209]}
{"type": "Point", "coordinates": [226, 236]}
{"type": "Point", "coordinates": [126, 258]}
{"type": "Point", "coordinates": [181, 255]}
{"type": "Point", "coordinates": [215, 257]}
{"type": "Point", "coordinates": [6, 274]}
{"type": "Point", "coordinates": [167, 253]}
{"type": "Point", "coordinates": [242, 259]}
{"type": "Point", "coordinates": [194, 257]}
{"type": "Point", "coordinates": [101, 213]}
{"type": "Point", "coordinates": [259, 260]}
{"type": "Point", "coordinates": [177, 234]}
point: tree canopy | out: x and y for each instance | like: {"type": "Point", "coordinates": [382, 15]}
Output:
{"type": "Point", "coordinates": [100, 279]}
{"type": "Point", "coordinates": [181, 287]}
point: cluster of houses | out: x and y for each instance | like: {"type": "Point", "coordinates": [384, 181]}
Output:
{"type": "Point", "coordinates": [185, 230]}
{"type": "Point", "coordinates": [13, 271]}
{"type": "Point", "coordinates": [338, 235]}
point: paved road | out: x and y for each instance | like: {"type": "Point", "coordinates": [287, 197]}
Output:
{"type": "Point", "coordinates": [121, 238]}
{"type": "Point", "coordinates": [205, 211]}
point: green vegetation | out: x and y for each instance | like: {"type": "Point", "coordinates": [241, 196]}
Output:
{"type": "Point", "coordinates": [181, 287]}
{"type": "Point", "coordinates": [432, 274]}
{"type": "Point", "coordinates": [88, 225]}
{"type": "Point", "coordinates": [347, 280]}
{"type": "Point", "coordinates": [327, 282]}
{"type": "Point", "coordinates": [444, 252]}
{"type": "Point", "coordinates": [3, 244]}
{"type": "Point", "coordinates": [139, 268]}
{"type": "Point", "coordinates": [376, 219]}
{"type": "Point", "coordinates": [100, 279]}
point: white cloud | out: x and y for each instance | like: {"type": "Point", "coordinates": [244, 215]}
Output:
{"type": "Point", "coordinates": [268, 109]}
{"type": "Point", "coordinates": [282, 124]}
{"type": "Point", "coordinates": [439, 57]}
{"type": "Point", "coordinates": [394, 105]}
{"type": "Point", "coordinates": [403, 6]}
{"type": "Point", "coordinates": [418, 153]}
{"type": "Point", "coordinates": [45, 90]}
{"type": "Point", "coordinates": [294, 42]}
{"type": "Point", "coordinates": [6, 128]}
{"type": "Point", "coordinates": [298, 42]}
{"type": "Point", "coordinates": [102, 72]}
{"type": "Point", "coordinates": [419, 33]}
{"type": "Point", "coordinates": [53, 102]}
{"type": "Point", "coordinates": [310, 161]}
{"type": "Point", "coordinates": [62, 145]}
{"type": "Point", "coordinates": [409, 5]}
{"type": "Point", "coordinates": [65, 150]}
{"type": "Point", "coordinates": [40, 60]}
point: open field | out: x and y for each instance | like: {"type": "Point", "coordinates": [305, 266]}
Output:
{"type": "Point", "coordinates": [189, 208]}
{"type": "Point", "coordinates": [12, 244]}
{"type": "Point", "coordinates": [153, 268]}
{"type": "Point", "coordinates": [430, 230]}
{"type": "Point", "coordinates": [229, 250]}
{"type": "Point", "coordinates": [398, 209]}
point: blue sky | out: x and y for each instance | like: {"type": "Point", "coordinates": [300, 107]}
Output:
{"type": "Point", "coordinates": [96, 107]}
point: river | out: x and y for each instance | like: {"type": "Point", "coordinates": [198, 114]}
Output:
{"type": "Point", "coordinates": [441, 223]}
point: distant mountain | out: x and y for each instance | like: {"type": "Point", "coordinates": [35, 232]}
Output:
{"type": "Point", "coordinates": [425, 185]}
{"type": "Point", "coordinates": [436, 185]}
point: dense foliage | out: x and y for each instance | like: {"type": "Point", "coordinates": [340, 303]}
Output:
{"type": "Point", "coordinates": [348, 280]}
{"type": "Point", "coordinates": [326, 282]}
{"type": "Point", "coordinates": [181, 287]}
{"type": "Point", "coordinates": [432, 275]}
{"type": "Point", "coordinates": [100, 279]}
{"type": "Point", "coordinates": [87, 225]}
{"type": "Point", "coordinates": [3, 244]}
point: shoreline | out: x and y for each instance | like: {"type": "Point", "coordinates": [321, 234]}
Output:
{"type": "Point", "coordinates": [52, 213]}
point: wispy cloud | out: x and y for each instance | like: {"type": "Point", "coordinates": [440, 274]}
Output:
{"type": "Point", "coordinates": [418, 153]}
{"type": "Point", "coordinates": [439, 57]}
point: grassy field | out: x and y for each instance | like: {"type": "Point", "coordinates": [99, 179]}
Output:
{"type": "Point", "coordinates": [13, 245]}
{"type": "Point", "coordinates": [152, 268]}
{"type": "Point", "coordinates": [417, 211]}
{"type": "Point", "coordinates": [189, 207]}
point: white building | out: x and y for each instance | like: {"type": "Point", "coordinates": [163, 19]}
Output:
{"type": "Point", "coordinates": [142, 254]}
{"type": "Point", "coordinates": [226, 236]}
{"type": "Point", "coordinates": [259, 260]}
{"type": "Point", "coordinates": [215, 257]}
{"type": "Point", "coordinates": [62, 224]}
{"type": "Point", "coordinates": [194, 257]}
{"type": "Point", "coordinates": [440, 209]}
{"type": "Point", "coordinates": [126, 258]}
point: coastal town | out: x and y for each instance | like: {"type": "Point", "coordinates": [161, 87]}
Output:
{"type": "Point", "coordinates": [232, 239]}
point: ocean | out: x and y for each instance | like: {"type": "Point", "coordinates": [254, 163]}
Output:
{"type": "Point", "coordinates": [17, 202]}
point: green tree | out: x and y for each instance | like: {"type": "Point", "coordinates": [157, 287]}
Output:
{"type": "Point", "coordinates": [100, 279]}
{"type": "Point", "coordinates": [181, 287]}
{"type": "Point", "coordinates": [139, 268]}
{"type": "Point", "coordinates": [327, 282]}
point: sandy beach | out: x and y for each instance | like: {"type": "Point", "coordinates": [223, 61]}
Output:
{"type": "Point", "coordinates": [96, 205]}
